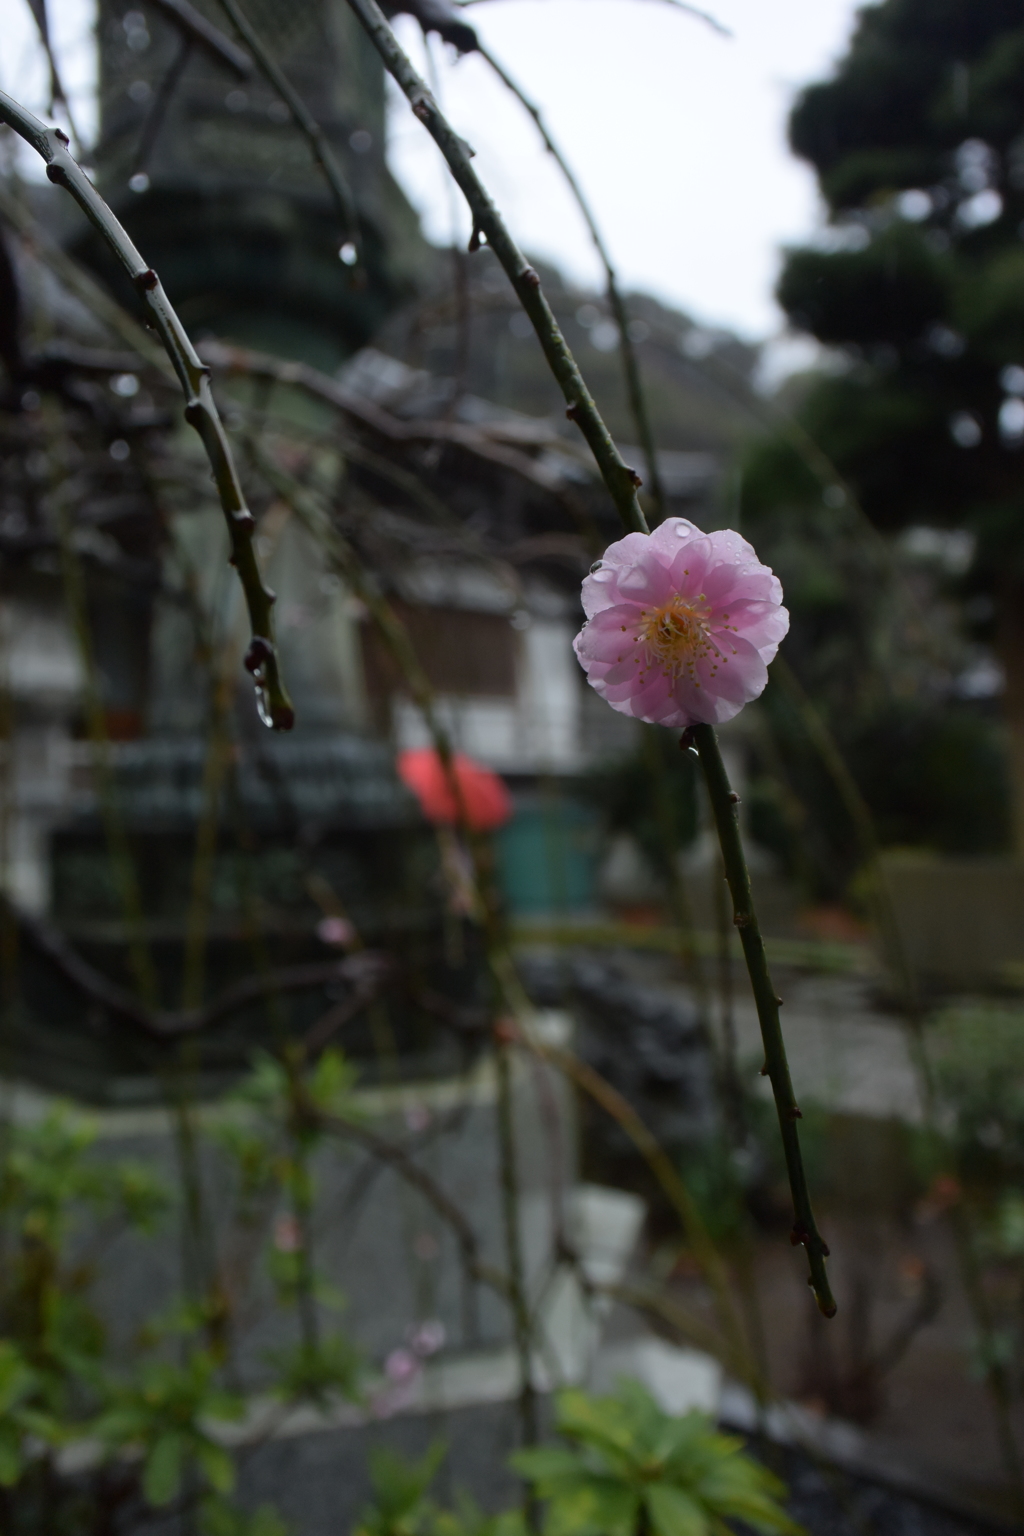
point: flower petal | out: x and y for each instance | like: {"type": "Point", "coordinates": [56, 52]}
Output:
{"type": "Point", "coordinates": [729, 598]}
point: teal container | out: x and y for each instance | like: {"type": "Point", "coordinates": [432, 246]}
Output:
{"type": "Point", "coordinates": [547, 855]}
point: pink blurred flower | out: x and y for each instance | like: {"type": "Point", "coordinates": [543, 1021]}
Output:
{"type": "Point", "coordinates": [401, 1366]}
{"type": "Point", "coordinates": [336, 930]}
{"type": "Point", "coordinates": [681, 625]}
{"type": "Point", "coordinates": [427, 1338]}
{"type": "Point", "coordinates": [401, 1373]}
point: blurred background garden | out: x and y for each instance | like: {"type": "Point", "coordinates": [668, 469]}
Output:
{"type": "Point", "coordinates": [367, 1117]}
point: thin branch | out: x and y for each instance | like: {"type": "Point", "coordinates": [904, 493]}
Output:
{"type": "Point", "coordinates": [193, 25]}
{"type": "Point", "coordinates": [668, 1312]}
{"type": "Point", "coordinates": [508, 1181]}
{"type": "Point", "coordinates": [304, 120]}
{"type": "Point", "coordinates": [240, 360]}
{"type": "Point", "coordinates": [614, 1104]}
{"type": "Point", "coordinates": [408, 1169]}
{"type": "Point", "coordinates": [158, 111]}
{"type": "Point", "coordinates": [200, 411]}
{"type": "Point", "coordinates": [163, 1025]}
{"type": "Point", "coordinates": [123, 866]}
{"type": "Point", "coordinates": [776, 1067]}
{"type": "Point", "coordinates": [57, 91]}
{"type": "Point", "coordinates": [86, 289]}
{"type": "Point", "coordinates": [621, 481]}
{"type": "Point", "coordinates": [627, 351]}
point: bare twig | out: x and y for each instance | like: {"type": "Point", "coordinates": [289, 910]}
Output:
{"type": "Point", "coordinates": [627, 352]}
{"type": "Point", "coordinates": [158, 111]}
{"type": "Point", "coordinates": [85, 288]}
{"type": "Point", "coordinates": [57, 91]}
{"type": "Point", "coordinates": [662, 1167]}
{"type": "Point", "coordinates": [304, 120]}
{"type": "Point", "coordinates": [508, 1179]}
{"type": "Point", "coordinates": [621, 481]}
{"type": "Point", "coordinates": [408, 1169]}
{"type": "Point", "coordinates": [776, 1066]}
{"type": "Point", "coordinates": [193, 25]}
{"type": "Point", "coordinates": [200, 411]}
{"type": "Point", "coordinates": [240, 360]}
{"type": "Point", "coordinates": [164, 1025]}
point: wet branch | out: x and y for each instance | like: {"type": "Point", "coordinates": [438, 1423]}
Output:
{"type": "Point", "coordinates": [621, 481]}
{"type": "Point", "coordinates": [160, 1024]}
{"type": "Point", "coordinates": [407, 1168]}
{"type": "Point", "coordinates": [776, 1066]}
{"type": "Point", "coordinates": [224, 356]}
{"type": "Point", "coordinates": [627, 351]}
{"type": "Point", "coordinates": [195, 27]}
{"type": "Point", "coordinates": [304, 120]}
{"type": "Point", "coordinates": [200, 411]}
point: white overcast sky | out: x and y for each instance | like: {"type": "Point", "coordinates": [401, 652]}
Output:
{"type": "Point", "coordinates": [676, 133]}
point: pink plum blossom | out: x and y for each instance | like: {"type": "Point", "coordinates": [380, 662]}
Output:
{"type": "Point", "coordinates": [401, 1366]}
{"type": "Point", "coordinates": [681, 625]}
{"type": "Point", "coordinates": [337, 931]}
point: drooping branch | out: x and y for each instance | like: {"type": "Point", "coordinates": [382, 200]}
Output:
{"type": "Point", "coordinates": [622, 484]}
{"type": "Point", "coordinates": [161, 103]}
{"type": "Point", "coordinates": [621, 481]}
{"type": "Point", "coordinates": [200, 410]}
{"type": "Point", "coordinates": [74, 277]}
{"type": "Point", "coordinates": [776, 1067]}
{"type": "Point", "coordinates": [304, 120]}
{"type": "Point", "coordinates": [346, 564]}
{"type": "Point", "coordinates": [57, 91]}
{"type": "Point", "coordinates": [261, 365]}
{"type": "Point", "coordinates": [366, 973]}
{"type": "Point", "coordinates": [195, 26]}
{"type": "Point", "coordinates": [627, 351]}
{"type": "Point", "coordinates": [612, 1102]}
{"type": "Point", "coordinates": [409, 1170]}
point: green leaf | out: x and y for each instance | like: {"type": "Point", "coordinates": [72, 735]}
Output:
{"type": "Point", "coordinates": [673, 1512]}
{"type": "Point", "coordinates": [217, 1464]}
{"type": "Point", "coordinates": [604, 1423]}
{"type": "Point", "coordinates": [332, 1082]}
{"type": "Point", "coordinates": [735, 1487]}
{"type": "Point", "coordinates": [401, 1508]}
{"type": "Point", "coordinates": [545, 1464]}
{"type": "Point", "coordinates": [689, 1443]}
{"type": "Point", "coordinates": [511, 1522]}
{"type": "Point", "coordinates": [10, 1456]}
{"type": "Point", "coordinates": [162, 1475]}
{"type": "Point", "coordinates": [469, 1520]}
{"type": "Point", "coordinates": [334, 1366]}
{"type": "Point", "coordinates": [593, 1506]}
{"type": "Point", "coordinates": [16, 1377]}
{"type": "Point", "coordinates": [218, 1517]}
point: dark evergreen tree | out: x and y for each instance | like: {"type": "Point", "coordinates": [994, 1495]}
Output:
{"type": "Point", "coordinates": [918, 144]}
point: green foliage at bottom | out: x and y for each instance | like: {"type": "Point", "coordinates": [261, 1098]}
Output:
{"type": "Point", "coordinates": [630, 1467]}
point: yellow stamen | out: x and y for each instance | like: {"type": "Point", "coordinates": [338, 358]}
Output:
{"type": "Point", "coordinates": [678, 634]}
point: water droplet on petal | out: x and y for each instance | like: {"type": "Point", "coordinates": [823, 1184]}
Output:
{"type": "Point", "coordinates": [597, 565]}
